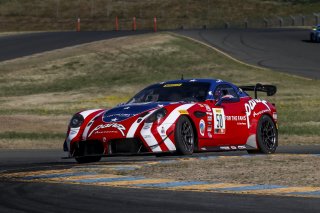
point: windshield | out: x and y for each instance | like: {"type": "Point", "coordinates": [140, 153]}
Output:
{"type": "Point", "coordinates": [189, 91]}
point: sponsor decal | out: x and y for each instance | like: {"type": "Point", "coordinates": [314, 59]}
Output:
{"type": "Point", "coordinates": [123, 115]}
{"type": "Point", "coordinates": [202, 127]}
{"type": "Point", "coordinates": [126, 108]}
{"type": "Point", "coordinates": [219, 121]}
{"type": "Point", "coordinates": [183, 112]}
{"type": "Point", "coordinates": [117, 117]}
{"type": "Point", "coordinates": [147, 125]}
{"type": "Point", "coordinates": [172, 85]}
{"type": "Point", "coordinates": [105, 132]}
{"type": "Point", "coordinates": [209, 135]}
{"type": "Point", "coordinates": [242, 147]}
{"type": "Point", "coordinates": [209, 113]}
{"type": "Point", "coordinates": [193, 80]}
{"type": "Point", "coordinates": [241, 124]}
{"type": "Point", "coordinates": [252, 104]}
{"type": "Point", "coordinates": [249, 107]}
{"type": "Point", "coordinates": [255, 114]}
{"type": "Point", "coordinates": [224, 148]}
{"type": "Point", "coordinates": [203, 148]}
{"type": "Point", "coordinates": [219, 80]}
{"type": "Point", "coordinates": [233, 147]}
{"type": "Point", "coordinates": [209, 118]}
{"type": "Point", "coordinates": [209, 128]}
{"type": "Point", "coordinates": [201, 105]}
{"type": "Point", "coordinates": [119, 127]}
{"type": "Point", "coordinates": [236, 118]}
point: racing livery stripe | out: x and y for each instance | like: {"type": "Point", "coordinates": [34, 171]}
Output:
{"type": "Point", "coordinates": [75, 131]}
{"type": "Point", "coordinates": [136, 124]}
{"type": "Point", "coordinates": [72, 134]}
{"type": "Point", "coordinates": [86, 130]}
{"type": "Point", "coordinates": [149, 138]}
{"type": "Point", "coordinates": [171, 119]}
{"type": "Point", "coordinates": [88, 112]}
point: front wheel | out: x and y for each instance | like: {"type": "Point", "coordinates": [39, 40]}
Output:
{"type": "Point", "coordinates": [184, 136]}
{"type": "Point", "coordinates": [267, 136]}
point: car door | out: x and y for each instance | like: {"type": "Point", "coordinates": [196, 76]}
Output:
{"type": "Point", "coordinates": [229, 117]}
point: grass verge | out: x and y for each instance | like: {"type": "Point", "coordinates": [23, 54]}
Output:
{"type": "Point", "coordinates": [284, 170]}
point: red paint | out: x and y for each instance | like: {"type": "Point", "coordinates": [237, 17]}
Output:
{"type": "Point", "coordinates": [239, 122]}
{"type": "Point", "coordinates": [78, 25]}
{"type": "Point", "coordinates": [134, 24]}
{"type": "Point", "coordinates": [155, 24]}
{"type": "Point", "coordinates": [117, 24]}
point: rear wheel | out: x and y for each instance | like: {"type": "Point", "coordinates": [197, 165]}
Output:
{"type": "Point", "coordinates": [267, 136]}
{"type": "Point", "coordinates": [184, 136]}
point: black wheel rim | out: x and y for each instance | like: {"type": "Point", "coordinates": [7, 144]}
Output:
{"type": "Point", "coordinates": [187, 136]}
{"type": "Point", "coordinates": [268, 134]}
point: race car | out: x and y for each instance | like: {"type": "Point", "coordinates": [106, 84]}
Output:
{"type": "Point", "coordinates": [315, 34]}
{"type": "Point", "coordinates": [179, 116]}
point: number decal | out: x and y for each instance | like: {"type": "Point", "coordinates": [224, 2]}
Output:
{"type": "Point", "coordinates": [219, 121]}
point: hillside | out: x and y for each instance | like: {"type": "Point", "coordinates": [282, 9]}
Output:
{"type": "Point", "coordinates": [100, 14]}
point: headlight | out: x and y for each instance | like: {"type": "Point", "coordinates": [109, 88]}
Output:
{"type": "Point", "coordinates": [76, 121]}
{"type": "Point", "coordinates": [157, 115]}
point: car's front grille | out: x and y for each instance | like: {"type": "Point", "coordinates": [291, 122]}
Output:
{"type": "Point", "coordinates": [127, 145]}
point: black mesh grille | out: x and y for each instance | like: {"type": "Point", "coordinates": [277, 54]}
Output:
{"type": "Point", "coordinates": [127, 145]}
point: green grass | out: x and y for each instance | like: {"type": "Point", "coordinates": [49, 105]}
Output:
{"type": "Point", "coordinates": [64, 82]}
{"type": "Point", "coordinates": [22, 15]}
{"type": "Point", "coordinates": [31, 136]}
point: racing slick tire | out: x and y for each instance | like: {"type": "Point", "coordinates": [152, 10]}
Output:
{"type": "Point", "coordinates": [267, 136]}
{"type": "Point", "coordinates": [184, 136]}
{"type": "Point", "coordinates": [88, 159]}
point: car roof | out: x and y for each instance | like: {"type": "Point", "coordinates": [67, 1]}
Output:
{"type": "Point", "coordinates": [213, 82]}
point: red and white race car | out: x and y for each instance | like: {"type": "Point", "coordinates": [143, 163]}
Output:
{"type": "Point", "coordinates": [181, 116]}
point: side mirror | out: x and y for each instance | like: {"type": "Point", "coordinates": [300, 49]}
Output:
{"type": "Point", "coordinates": [227, 100]}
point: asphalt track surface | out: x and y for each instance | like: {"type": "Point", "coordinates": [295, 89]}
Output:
{"type": "Point", "coordinates": [283, 50]}
{"type": "Point", "coordinates": [15, 46]}
{"type": "Point", "coordinates": [52, 197]}
{"type": "Point", "coordinates": [286, 50]}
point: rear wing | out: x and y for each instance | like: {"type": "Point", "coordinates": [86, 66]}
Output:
{"type": "Point", "coordinates": [269, 89]}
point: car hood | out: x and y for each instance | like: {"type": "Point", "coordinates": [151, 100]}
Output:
{"type": "Point", "coordinates": [127, 111]}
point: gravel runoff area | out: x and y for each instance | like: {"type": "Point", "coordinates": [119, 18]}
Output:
{"type": "Point", "coordinates": [285, 170]}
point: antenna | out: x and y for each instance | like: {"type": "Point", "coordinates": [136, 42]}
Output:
{"type": "Point", "coordinates": [182, 77]}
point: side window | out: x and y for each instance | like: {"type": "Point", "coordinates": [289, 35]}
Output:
{"type": "Point", "coordinates": [225, 91]}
